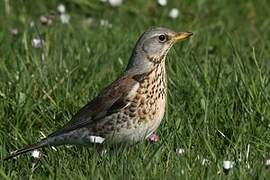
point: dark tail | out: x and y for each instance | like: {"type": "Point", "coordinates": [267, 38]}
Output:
{"type": "Point", "coordinates": [26, 149]}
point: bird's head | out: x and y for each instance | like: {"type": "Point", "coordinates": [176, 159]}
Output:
{"type": "Point", "coordinates": [153, 46]}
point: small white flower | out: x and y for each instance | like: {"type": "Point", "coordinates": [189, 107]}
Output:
{"type": "Point", "coordinates": [115, 3]}
{"type": "Point", "coordinates": [14, 32]}
{"type": "Point", "coordinates": [36, 154]}
{"type": "Point", "coordinates": [162, 2]}
{"type": "Point", "coordinates": [88, 21]}
{"type": "Point", "coordinates": [180, 151]}
{"type": "Point", "coordinates": [46, 20]}
{"type": "Point", "coordinates": [61, 8]}
{"type": "Point", "coordinates": [64, 18]}
{"type": "Point", "coordinates": [105, 23]}
{"type": "Point", "coordinates": [37, 43]}
{"type": "Point", "coordinates": [227, 165]}
{"type": "Point", "coordinates": [174, 13]}
{"type": "Point", "coordinates": [32, 24]}
{"type": "Point", "coordinates": [267, 162]}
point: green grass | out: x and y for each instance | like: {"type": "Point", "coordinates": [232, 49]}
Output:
{"type": "Point", "coordinates": [218, 82]}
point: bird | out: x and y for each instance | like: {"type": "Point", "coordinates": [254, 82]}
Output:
{"type": "Point", "coordinates": [128, 110]}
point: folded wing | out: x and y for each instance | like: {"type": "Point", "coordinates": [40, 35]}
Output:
{"type": "Point", "coordinates": [111, 99]}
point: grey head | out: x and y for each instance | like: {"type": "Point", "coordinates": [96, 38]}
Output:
{"type": "Point", "coordinates": [152, 48]}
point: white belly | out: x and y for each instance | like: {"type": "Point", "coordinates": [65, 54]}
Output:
{"type": "Point", "coordinates": [142, 131]}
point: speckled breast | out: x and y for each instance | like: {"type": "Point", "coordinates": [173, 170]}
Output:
{"type": "Point", "coordinates": [145, 110]}
{"type": "Point", "coordinates": [151, 97]}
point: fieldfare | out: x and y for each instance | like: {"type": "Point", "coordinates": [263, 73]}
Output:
{"type": "Point", "coordinates": [130, 108]}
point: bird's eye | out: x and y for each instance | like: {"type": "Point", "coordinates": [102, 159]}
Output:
{"type": "Point", "coordinates": [162, 38]}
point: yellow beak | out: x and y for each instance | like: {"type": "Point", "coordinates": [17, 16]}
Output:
{"type": "Point", "coordinates": [181, 36]}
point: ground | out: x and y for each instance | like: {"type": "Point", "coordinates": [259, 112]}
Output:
{"type": "Point", "coordinates": [218, 104]}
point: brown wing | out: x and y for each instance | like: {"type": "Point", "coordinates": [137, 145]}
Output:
{"type": "Point", "coordinates": [111, 99]}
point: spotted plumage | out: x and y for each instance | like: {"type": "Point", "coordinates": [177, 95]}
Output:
{"type": "Point", "coordinates": [131, 107]}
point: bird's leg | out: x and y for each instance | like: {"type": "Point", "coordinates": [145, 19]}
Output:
{"type": "Point", "coordinates": [101, 150]}
{"type": "Point", "coordinates": [35, 157]}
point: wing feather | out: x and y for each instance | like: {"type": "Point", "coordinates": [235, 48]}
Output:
{"type": "Point", "coordinates": [113, 98]}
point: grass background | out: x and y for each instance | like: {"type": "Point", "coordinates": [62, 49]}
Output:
{"type": "Point", "coordinates": [218, 84]}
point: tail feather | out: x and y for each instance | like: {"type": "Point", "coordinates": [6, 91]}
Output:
{"type": "Point", "coordinates": [26, 149]}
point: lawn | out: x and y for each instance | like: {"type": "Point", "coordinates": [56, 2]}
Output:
{"type": "Point", "coordinates": [218, 105]}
